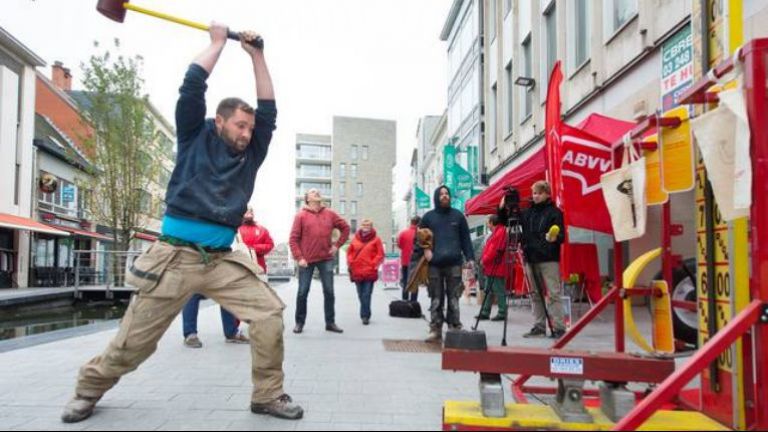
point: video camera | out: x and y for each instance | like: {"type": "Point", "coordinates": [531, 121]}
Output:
{"type": "Point", "coordinates": [511, 202]}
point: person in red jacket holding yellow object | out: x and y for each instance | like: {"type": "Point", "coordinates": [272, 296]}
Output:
{"type": "Point", "coordinates": [256, 238]}
{"type": "Point", "coordinates": [364, 256]}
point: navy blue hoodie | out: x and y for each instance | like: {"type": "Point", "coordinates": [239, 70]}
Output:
{"type": "Point", "coordinates": [211, 182]}
{"type": "Point", "coordinates": [450, 235]}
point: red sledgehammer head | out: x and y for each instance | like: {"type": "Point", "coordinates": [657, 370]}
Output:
{"type": "Point", "coordinates": [112, 9]}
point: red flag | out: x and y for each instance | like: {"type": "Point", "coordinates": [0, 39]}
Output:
{"type": "Point", "coordinates": [552, 125]}
{"type": "Point", "coordinates": [584, 158]}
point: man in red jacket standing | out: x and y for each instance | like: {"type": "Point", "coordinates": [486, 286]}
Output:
{"type": "Point", "coordinates": [405, 244]}
{"type": "Point", "coordinates": [310, 243]}
{"type": "Point", "coordinates": [256, 238]}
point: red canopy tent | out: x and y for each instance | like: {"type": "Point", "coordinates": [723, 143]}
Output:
{"type": "Point", "coordinates": [533, 168]}
{"type": "Point", "coordinates": [573, 160]}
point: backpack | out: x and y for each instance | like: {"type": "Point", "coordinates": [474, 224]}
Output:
{"type": "Point", "coordinates": [404, 309]}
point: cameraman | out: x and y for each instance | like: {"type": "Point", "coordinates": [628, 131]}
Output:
{"type": "Point", "coordinates": [541, 248]}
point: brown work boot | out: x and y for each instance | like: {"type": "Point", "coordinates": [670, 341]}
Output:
{"type": "Point", "coordinates": [282, 407]}
{"type": "Point", "coordinates": [78, 409]}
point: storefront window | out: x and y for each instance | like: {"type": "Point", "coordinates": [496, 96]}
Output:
{"type": "Point", "coordinates": [44, 252]}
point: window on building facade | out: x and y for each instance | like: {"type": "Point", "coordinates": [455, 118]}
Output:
{"type": "Point", "coordinates": [323, 188]}
{"type": "Point", "coordinates": [309, 151]}
{"type": "Point", "coordinates": [548, 47]}
{"type": "Point", "coordinates": [145, 202]}
{"type": "Point", "coordinates": [578, 36]}
{"type": "Point", "coordinates": [45, 252]}
{"type": "Point", "coordinates": [526, 92]}
{"type": "Point", "coordinates": [353, 208]}
{"type": "Point", "coordinates": [342, 207]}
{"type": "Point", "coordinates": [63, 201]}
{"type": "Point", "coordinates": [365, 152]}
{"type": "Point", "coordinates": [342, 170]}
{"type": "Point", "coordinates": [159, 209]}
{"type": "Point", "coordinates": [166, 145]}
{"type": "Point", "coordinates": [359, 189]}
{"type": "Point", "coordinates": [491, 120]}
{"type": "Point", "coordinates": [315, 171]}
{"type": "Point", "coordinates": [17, 184]}
{"type": "Point", "coordinates": [617, 13]}
{"type": "Point", "coordinates": [353, 170]}
{"type": "Point", "coordinates": [165, 176]}
{"type": "Point", "coordinates": [507, 7]}
{"type": "Point", "coordinates": [353, 225]}
{"type": "Point", "coordinates": [492, 10]}
{"type": "Point", "coordinates": [353, 152]}
{"type": "Point", "coordinates": [509, 83]}
{"type": "Point", "coordinates": [342, 188]}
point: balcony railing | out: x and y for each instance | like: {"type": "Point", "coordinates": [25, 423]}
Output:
{"type": "Point", "coordinates": [313, 175]}
{"type": "Point", "coordinates": [313, 155]}
{"type": "Point", "coordinates": [59, 210]}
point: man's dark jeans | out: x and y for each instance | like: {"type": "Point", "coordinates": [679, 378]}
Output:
{"type": "Point", "coordinates": [404, 272]}
{"type": "Point", "coordinates": [445, 284]}
{"type": "Point", "coordinates": [189, 318]}
{"type": "Point", "coordinates": [305, 280]}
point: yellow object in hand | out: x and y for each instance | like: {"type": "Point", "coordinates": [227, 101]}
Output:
{"type": "Point", "coordinates": [554, 230]}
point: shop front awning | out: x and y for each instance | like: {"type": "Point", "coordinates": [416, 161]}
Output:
{"type": "Point", "coordinates": [82, 233]}
{"type": "Point", "coordinates": [522, 177]}
{"type": "Point", "coordinates": [21, 223]}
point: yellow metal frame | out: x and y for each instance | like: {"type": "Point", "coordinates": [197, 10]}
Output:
{"type": "Point", "coordinates": [542, 417]}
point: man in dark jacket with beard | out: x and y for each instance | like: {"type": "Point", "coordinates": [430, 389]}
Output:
{"type": "Point", "coordinates": [450, 240]}
{"type": "Point", "coordinates": [541, 246]}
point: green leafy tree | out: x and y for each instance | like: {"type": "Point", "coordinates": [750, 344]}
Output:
{"type": "Point", "coordinates": [121, 146]}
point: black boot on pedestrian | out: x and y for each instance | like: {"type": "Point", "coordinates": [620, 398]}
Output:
{"type": "Point", "coordinates": [536, 332]}
{"type": "Point", "coordinates": [557, 334]}
{"type": "Point", "coordinates": [333, 328]}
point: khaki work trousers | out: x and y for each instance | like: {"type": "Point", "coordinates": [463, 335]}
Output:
{"type": "Point", "coordinates": [550, 277]}
{"type": "Point", "coordinates": [165, 277]}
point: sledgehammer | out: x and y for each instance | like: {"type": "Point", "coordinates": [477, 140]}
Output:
{"type": "Point", "coordinates": [115, 10]}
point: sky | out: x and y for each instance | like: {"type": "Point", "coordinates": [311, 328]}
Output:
{"type": "Point", "coordinates": [360, 58]}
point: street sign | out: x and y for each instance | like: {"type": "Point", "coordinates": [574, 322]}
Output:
{"type": "Point", "coordinates": [676, 67]}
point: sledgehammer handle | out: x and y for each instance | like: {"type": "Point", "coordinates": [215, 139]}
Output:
{"type": "Point", "coordinates": [258, 42]}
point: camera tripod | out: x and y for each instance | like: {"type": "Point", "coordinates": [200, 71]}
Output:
{"type": "Point", "coordinates": [508, 256]}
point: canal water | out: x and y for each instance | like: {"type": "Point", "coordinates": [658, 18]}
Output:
{"type": "Point", "coordinates": [20, 322]}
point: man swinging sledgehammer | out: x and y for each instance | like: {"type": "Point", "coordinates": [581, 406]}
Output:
{"type": "Point", "coordinates": [213, 180]}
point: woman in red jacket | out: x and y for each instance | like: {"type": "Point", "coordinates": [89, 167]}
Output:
{"type": "Point", "coordinates": [364, 256]}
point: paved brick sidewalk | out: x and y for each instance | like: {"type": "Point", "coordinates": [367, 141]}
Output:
{"type": "Point", "coordinates": [344, 382]}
